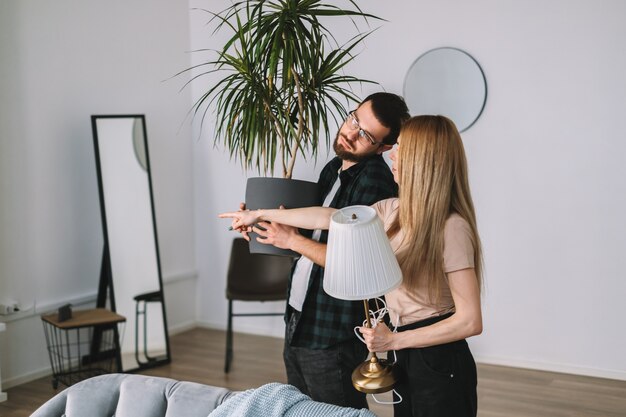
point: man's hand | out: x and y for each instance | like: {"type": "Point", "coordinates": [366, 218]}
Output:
{"type": "Point", "coordinates": [276, 234]}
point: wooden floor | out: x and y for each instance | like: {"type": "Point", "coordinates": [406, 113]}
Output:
{"type": "Point", "coordinates": [198, 355]}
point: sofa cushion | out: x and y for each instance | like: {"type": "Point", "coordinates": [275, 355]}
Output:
{"type": "Point", "coordinates": [125, 395]}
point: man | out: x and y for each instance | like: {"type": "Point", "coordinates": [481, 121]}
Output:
{"type": "Point", "coordinates": [321, 349]}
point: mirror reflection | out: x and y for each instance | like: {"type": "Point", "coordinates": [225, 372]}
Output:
{"type": "Point", "coordinates": [449, 82]}
{"type": "Point", "coordinates": [131, 268]}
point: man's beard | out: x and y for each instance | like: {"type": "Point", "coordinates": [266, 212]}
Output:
{"type": "Point", "coordinates": [345, 155]}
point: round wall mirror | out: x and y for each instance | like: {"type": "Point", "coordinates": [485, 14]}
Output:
{"type": "Point", "coordinates": [449, 82]}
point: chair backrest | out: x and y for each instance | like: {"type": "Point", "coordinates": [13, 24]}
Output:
{"type": "Point", "coordinates": [256, 277]}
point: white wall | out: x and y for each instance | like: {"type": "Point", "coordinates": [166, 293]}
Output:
{"type": "Point", "coordinates": [543, 159]}
{"type": "Point", "coordinates": [61, 62]}
{"type": "Point", "coordinates": [545, 171]}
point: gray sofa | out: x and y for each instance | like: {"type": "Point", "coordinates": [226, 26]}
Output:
{"type": "Point", "coordinates": [126, 395]}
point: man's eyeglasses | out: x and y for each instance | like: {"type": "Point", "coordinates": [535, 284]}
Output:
{"type": "Point", "coordinates": [364, 137]}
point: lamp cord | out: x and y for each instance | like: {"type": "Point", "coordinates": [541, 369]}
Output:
{"type": "Point", "coordinates": [376, 317]}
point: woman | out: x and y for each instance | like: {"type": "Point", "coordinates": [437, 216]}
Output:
{"type": "Point", "coordinates": [432, 229]}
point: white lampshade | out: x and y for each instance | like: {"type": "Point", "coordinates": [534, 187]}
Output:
{"type": "Point", "coordinates": [360, 263]}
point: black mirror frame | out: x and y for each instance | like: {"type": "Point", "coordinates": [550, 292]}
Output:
{"type": "Point", "coordinates": [105, 288]}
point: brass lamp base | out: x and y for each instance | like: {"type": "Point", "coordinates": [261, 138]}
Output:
{"type": "Point", "coordinates": [373, 377]}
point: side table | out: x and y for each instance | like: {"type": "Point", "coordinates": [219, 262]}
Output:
{"type": "Point", "coordinates": [83, 346]}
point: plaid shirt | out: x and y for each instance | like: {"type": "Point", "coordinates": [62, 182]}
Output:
{"type": "Point", "coordinates": [326, 321]}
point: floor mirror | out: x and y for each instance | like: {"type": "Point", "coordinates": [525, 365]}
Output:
{"type": "Point", "coordinates": [130, 282]}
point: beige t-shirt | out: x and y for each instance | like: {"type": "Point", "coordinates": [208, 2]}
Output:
{"type": "Point", "coordinates": [408, 306]}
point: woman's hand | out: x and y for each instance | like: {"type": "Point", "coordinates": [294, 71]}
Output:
{"type": "Point", "coordinates": [242, 220]}
{"type": "Point", "coordinates": [378, 339]}
{"type": "Point", "coordinates": [305, 218]}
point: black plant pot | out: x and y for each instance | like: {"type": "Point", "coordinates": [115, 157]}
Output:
{"type": "Point", "coordinates": [267, 193]}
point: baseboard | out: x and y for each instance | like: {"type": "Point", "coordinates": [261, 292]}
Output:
{"type": "Point", "coordinates": [210, 325]}
{"type": "Point", "coordinates": [487, 360]}
{"type": "Point", "coordinates": [28, 377]}
{"type": "Point", "coordinates": [182, 327]}
{"type": "Point", "coordinates": [552, 367]}
{"type": "Point", "coordinates": [32, 376]}
{"type": "Point", "coordinates": [47, 371]}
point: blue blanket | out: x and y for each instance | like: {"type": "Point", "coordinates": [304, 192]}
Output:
{"type": "Point", "coordinates": [281, 400]}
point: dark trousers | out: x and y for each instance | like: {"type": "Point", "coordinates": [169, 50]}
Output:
{"type": "Point", "coordinates": [325, 374]}
{"type": "Point", "coordinates": [436, 381]}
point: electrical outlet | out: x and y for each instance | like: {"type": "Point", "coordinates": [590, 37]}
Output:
{"type": "Point", "coordinates": [9, 308]}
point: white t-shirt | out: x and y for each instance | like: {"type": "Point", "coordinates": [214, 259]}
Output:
{"type": "Point", "coordinates": [304, 266]}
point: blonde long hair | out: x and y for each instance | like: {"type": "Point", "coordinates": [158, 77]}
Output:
{"type": "Point", "coordinates": [433, 184]}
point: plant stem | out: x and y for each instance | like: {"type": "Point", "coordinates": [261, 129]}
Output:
{"type": "Point", "coordinates": [301, 110]}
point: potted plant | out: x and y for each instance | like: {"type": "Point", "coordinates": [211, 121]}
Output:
{"type": "Point", "coordinates": [283, 82]}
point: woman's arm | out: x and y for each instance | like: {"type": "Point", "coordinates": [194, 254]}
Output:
{"type": "Point", "coordinates": [305, 218]}
{"type": "Point", "coordinates": [465, 322]}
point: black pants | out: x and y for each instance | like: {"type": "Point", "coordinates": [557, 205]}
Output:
{"type": "Point", "coordinates": [325, 374]}
{"type": "Point", "coordinates": [436, 381]}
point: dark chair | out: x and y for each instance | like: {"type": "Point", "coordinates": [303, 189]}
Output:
{"type": "Point", "coordinates": [253, 277]}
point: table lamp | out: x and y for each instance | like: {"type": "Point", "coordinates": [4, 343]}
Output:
{"type": "Point", "coordinates": [360, 265]}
